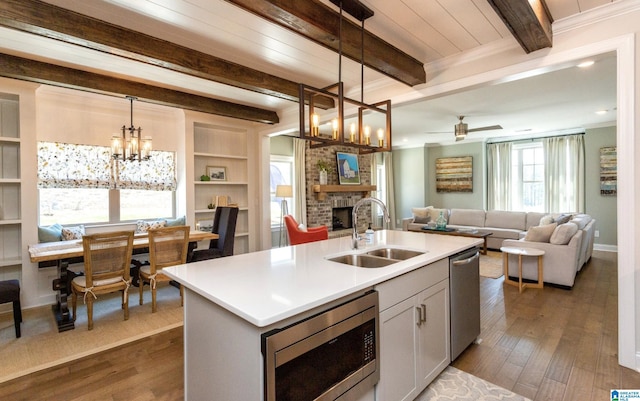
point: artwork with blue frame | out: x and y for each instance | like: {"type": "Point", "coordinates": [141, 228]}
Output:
{"type": "Point", "coordinates": [348, 170]}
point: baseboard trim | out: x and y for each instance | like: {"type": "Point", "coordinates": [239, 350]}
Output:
{"type": "Point", "coordinates": [605, 248]}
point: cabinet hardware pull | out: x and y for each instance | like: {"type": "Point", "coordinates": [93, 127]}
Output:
{"type": "Point", "coordinates": [419, 322]}
{"type": "Point", "coordinates": [423, 308]}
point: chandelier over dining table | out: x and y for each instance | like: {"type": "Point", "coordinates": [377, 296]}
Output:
{"type": "Point", "coordinates": [331, 126]}
{"type": "Point", "coordinates": [134, 146]}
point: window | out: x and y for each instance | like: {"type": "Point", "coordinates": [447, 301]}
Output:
{"type": "Point", "coordinates": [527, 177]}
{"type": "Point", "coordinates": [281, 173]}
{"type": "Point", "coordinates": [80, 184]}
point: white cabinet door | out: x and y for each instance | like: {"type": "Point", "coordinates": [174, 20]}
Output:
{"type": "Point", "coordinates": [398, 331]}
{"type": "Point", "coordinates": [433, 333]}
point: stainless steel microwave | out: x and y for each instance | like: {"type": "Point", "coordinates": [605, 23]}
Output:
{"type": "Point", "coordinates": [331, 356]}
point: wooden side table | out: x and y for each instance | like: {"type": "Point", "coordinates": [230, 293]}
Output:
{"type": "Point", "coordinates": [506, 251]}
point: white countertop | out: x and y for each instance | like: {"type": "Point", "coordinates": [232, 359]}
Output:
{"type": "Point", "coordinates": [269, 286]}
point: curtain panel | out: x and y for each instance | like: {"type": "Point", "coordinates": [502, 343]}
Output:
{"type": "Point", "coordinates": [564, 173]}
{"type": "Point", "coordinates": [64, 165]}
{"type": "Point", "coordinates": [499, 176]}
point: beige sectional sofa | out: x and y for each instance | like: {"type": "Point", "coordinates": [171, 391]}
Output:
{"type": "Point", "coordinates": [503, 224]}
{"type": "Point", "coordinates": [564, 257]}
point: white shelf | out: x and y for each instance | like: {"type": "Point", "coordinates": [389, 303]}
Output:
{"type": "Point", "coordinates": [10, 180]}
{"type": "Point", "coordinates": [219, 156]}
{"type": "Point", "coordinates": [220, 183]}
{"type": "Point", "coordinates": [9, 222]}
{"type": "Point", "coordinates": [10, 262]}
{"type": "Point", "coordinates": [9, 139]}
{"type": "Point", "coordinates": [201, 211]}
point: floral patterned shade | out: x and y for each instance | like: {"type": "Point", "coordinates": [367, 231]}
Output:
{"type": "Point", "coordinates": [63, 165]}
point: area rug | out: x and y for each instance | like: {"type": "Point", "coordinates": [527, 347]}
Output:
{"type": "Point", "coordinates": [41, 346]}
{"type": "Point", "coordinates": [456, 385]}
{"type": "Point", "coordinates": [491, 265]}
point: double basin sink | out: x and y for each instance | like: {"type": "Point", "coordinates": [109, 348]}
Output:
{"type": "Point", "coordinates": [376, 258]}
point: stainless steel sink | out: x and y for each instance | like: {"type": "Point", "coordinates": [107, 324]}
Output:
{"type": "Point", "coordinates": [395, 253]}
{"type": "Point", "coordinates": [363, 260]}
{"type": "Point", "coordinates": [376, 258]}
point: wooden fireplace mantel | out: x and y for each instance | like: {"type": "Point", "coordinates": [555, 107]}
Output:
{"type": "Point", "coordinates": [322, 190]}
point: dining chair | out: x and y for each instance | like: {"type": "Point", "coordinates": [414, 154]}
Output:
{"type": "Point", "coordinates": [299, 236]}
{"type": "Point", "coordinates": [167, 247]}
{"type": "Point", "coordinates": [224, 224]}
{"type": "Point", "coordinates": [107, 260]}
{"type": "Point", "coordinates": [10, 292]}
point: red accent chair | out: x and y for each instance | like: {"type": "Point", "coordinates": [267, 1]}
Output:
{"type": "Point", "coordinates": [297, 236]}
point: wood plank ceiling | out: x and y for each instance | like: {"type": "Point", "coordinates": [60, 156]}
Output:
{"type": "Point", "coordinates": [213, 49]}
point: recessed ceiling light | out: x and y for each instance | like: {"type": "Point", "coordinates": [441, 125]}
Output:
{"type": "Point", "coordinates": [405, 139]}
{"type": "Point", "coordinates": [586, 64]}
{"type": "Point", "coordinates": [601, 112]}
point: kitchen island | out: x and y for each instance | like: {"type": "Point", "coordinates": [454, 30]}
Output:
{"type": "Point", "coordinates": [230, 302]}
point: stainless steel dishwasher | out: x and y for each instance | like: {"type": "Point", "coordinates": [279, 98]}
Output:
{"type": "Point", "coordinates": [464, 283]}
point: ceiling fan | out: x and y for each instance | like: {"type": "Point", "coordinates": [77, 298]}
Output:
{"type": "Point", "coordinates": [462, 129]}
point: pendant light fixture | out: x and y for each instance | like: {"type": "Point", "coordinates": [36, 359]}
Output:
{"type": "Point", "coordinates": [133, 147]}
{"type": "Point", "coordinates": [324, 127]}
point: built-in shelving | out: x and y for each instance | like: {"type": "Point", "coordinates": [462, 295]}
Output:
{"type": "Point", "coordinates": [10, 183]}
{"type": "Point", "coordinates": [222, 147]}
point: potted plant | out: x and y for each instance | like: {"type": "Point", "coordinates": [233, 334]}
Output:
{"type": "Point", "coordinates": [323, 167]}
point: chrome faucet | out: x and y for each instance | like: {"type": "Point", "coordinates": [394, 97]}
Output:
{"type": "Point", "coordinates": [354, 216]}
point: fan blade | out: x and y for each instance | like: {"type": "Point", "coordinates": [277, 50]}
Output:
{"type": "Point", "coordinates": [487, 128]}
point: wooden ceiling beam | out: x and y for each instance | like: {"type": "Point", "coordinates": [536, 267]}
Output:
{"type": "Point", "coordinates": [50, 74]}
{"type": "Point", "coordinates": [528, 20]}
{"type": "Point", "coordinates": [321, 24]}
{"type": "Point", "coordinates": [46, 20]}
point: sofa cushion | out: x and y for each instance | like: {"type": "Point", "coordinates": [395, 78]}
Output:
{"type": "Point", "coordinates": [435, 213]}
{"type": "Point", "coordinates": [540, 233]}
{"type": "Point", "coordinates": [580, 222]}
{"type": "Point", "coordinates": [505, 219]}
{"type": "Point", "coordinates": [467, 217]}
{"type": "Point", "coordinates": [563, 233]}
{"type": "Point", "coordinates": [533, 219]}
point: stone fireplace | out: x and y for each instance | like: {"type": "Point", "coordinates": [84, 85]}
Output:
{"type": "Point", "coordinates": [325, 209]}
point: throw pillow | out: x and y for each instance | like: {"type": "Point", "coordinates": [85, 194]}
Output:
{"type": "Point", "coordinates": [302, 227]}
{"type": "Point", "coordinates": [563, 218]}
{"type": "Point", "coordinates": [540, 233]}
{"type": "Point", "coordinates": [421, 220]}
{"type": "Point", "coordinates": [546, 220]}
{"type": "Point", "coordinates": [50, 233]}
{"type": "Point", "coordinates": [421, 212]}
{"type": "Point", "coordinates": [563, 234]}
{"type": "Point", "coordinates": [144, 226]}
{"type": "Point", "coordinates": [180, 221]}
{"type": "Point", "coordinates": [69, 233]}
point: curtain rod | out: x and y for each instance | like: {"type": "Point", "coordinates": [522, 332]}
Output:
{"type": "Point", "coordinates": [533, 138]}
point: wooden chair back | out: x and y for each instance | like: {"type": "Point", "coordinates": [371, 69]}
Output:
{"type": "Point", "coordinates": [107, 256]}
{"type": "Point", "coordinates": [168, 247]}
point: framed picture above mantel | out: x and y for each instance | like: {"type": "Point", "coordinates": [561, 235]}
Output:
{"type": "Point", "coordinates": [348, 169]}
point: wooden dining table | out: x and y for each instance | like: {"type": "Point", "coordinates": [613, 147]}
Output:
{"type": "Point", "coordinates": [61, 253]}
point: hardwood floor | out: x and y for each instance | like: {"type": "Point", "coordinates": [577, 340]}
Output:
{"type": "Point", "coordinates": [553, 344]}
{"type": "Point", "coordinates": [549, 344]}
{"type": "Point", "coordinates": [148, 369]}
